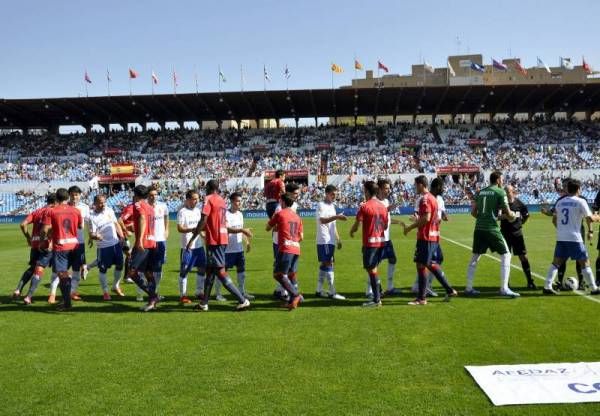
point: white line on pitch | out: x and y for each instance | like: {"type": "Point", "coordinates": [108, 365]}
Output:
{"type": "Point", "coordinates": [514, 266]}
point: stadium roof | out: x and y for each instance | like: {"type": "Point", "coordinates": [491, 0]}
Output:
{"type": "Point", "coordinates": [254, 105]}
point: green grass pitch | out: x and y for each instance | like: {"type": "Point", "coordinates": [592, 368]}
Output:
{"type": "Point", "coordinates": [327, 357]}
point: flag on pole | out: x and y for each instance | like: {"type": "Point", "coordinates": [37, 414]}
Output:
{"type": "Point", "coordinates": [154, 78]}
{"type": "Point", "coordinates": [586, 67]}
{"type": "Point", "coordinates": [520, 68]}
{"type": "Point", "coordinates": [337, 69]}
{"type": "Point", "coordinates": [175, 78]}
{"type": "Point", "coordinates": [476, 67]}
{"type": "Point", "coordinates": [357, 65]}
{"type": "Point", "coordinates": [451, 70]}
{"type": "Point", "coordinates": [427, 67]}
{"type": "Point", "coordinates": [287, 73]}
{"type": "Point", "coordinates": [381, 66]}
{"type": "Point", "coordinates": [87, 78]}
{"type": "Point", "coordinates": [542, 65]}
{"type": "Point", "coordinates": [108, 78]}
{"type": "Point", "coordinates": [133, 73]}
{"type": "Point", "coordinates": [499, 65]}
{"type": "Point", "coordinates": [221, 76]}
{"type": "Point", "coordinates": [266, 74]}
{"type": "Point", "coordinates": [566, 63]}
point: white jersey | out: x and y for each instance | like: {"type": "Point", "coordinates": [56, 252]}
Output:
{"type": "Point", "coordinates": [275, 234]}
{"type": "Point", "coordinates": [325, 232]}
{"type": "Point", "coordinates": [84, 209]}
{"type": "Point", "coordinates": [570, 212]}
{"type": "Point", "coordinates": [189, 218]}
{"type": "Point", "coordinates": [235, 220]}
{"type": "Point", "coordinates": [441, 207]}
{"type": "Point", "coordinates": [104, 224]}
{"type": "Point", "coordinates": [160, 212]}
{"type": "Point", "coordinates": [386, 233]}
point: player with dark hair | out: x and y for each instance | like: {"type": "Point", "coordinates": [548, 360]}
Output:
{"type": "Point", "coordinates": [485, 208]}
{"type": "Point", "coordinates": [238, 235]}
{"type": "Point", "coordinates": [40, 254]}
{"type": "Point", "coordinates": [427, 253]}
{"type": "Point", "coordinates": [161, 234]}
{"type": "Point", "coordinates": [213, 222]}
{"type": "Point", "coordinates": [570, 211]}
{"type": "Point", "coordinates": [290, 234]}
{"type": "Point", "coordinates": [273, 190]}
{"type": "Point", "coordinates": [388, 253]}
{"type": "Point", "coordinates": [374, 218]}
{"type": "Point", "coordinates": [79, 264]}
{"type": "Point", "coordinates": [327, 239]}
{"type": "Point", "coordinates": [64, 220]}
{"type": "Point", "coordinates": [513, 232]}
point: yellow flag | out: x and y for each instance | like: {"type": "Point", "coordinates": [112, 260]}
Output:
{"type": "Point", "coordinates": [337, 69]}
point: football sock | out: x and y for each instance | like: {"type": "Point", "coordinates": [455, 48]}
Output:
{"type": "Point", "coordinates": [241, 279]}
{"type": "Point", "coordinates": [504, 271]}
{"type": "Point", "coordinates": [54, 283]}
{"type": "Point", "coordinates": [218, 286]}
{"type": "Point", "coordinates": [430, 278]}
{"type": "Point", "coordinates": [320, 279]}
{"type": "Point", "coordinates": [561, 273]}
{"type": "Point", "coordinates": [330, 278]}
{"type": "Point", "coordinates": [375, 286]}
{"type": "Point", "coordinates": [141, 284]}
{"type": "Point", "coordinates": [228, 284]}
{"type": "Point", "coordinates": [117, 278]}
{"type": "Point", "coordinates": [369, 290]}
{"type": "Point", "coordinates": [208, 284]}
{"type": "Point", "coordinates": [76, 277]}
{"type": "Point", "coordinates": [471, 271]}
{"type": "Point", "coordinates": [587, 273]}
{"type": "Point", "coordinates": [103, 281]}
{"type": "Point", "coordinates": [287, 285]}
{"type": "Point", "coordinates": [35, 281]}
{"type": "Point", "coordinates": [157, 279]}
{"type": "Point", "coordinates": [552, 271]}
{"type": "Point", "coordinates": [390, 275]}
{"type": "Point", "coordinates": [200, 279]}
{"type": "Point", "coordinates": [579, 272]}
{"type": "Point", "coordinates": [437, 271]}
{"type": "Point", "coordinates": [183, 286]}
{"type": "Point", "coordinates": [65, 290]}
{"type": "Point", "coordinates": [422, 282]}
{"type": "Point", "coordinates": [527, 270]}
{"type": "Point", "coordinates": [24, 279]}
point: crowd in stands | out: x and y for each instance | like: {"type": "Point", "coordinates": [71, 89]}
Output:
{"type": "Point", "coordinates": [181, 159]}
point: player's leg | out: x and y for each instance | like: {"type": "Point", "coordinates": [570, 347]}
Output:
{"type": "Point", "coordinates": [480, 246]}
{"type": "Point", "coordinates": [139, 259]}
{"type": "Point", "coordinates": [200, 264]}
{"type": "Point", "coordinates": [78, 262]}
{"type": "Point", "coordinates": [187, 260]}
{"type": "Point", "coordinates": [240, 266]}
{"type": "Point", "coordinates": [560, 255]}
{"type": "Point", "coordinates": [283, 265]}
{"type": "Point", "coordinates": [433, 265]}
{"type": "Point", "coordinates": [588, 275]}
{"type": "Point", "coordinates": [54, 281]}
{"type": "Point", "coordinates": [561, 275]}
{"type": "Point", "coordinates": [61, 268]}
{"type": "Point", "coordinates": [498, 244]}
{"type": "Point", "coordinates": [118, 272]}
{"type": "Point", "coordinates": [279, 292]}
{"type": "Point", "coordinates": [216, 259]}
{"type": "Point", "coordinates": [390, 255]}
{"type": "Point", "coordinates": [322, 276]}
{"type": "Point", "coordinates": [27, 274]}
{"type": "Point", "coordinates": [371, 258]}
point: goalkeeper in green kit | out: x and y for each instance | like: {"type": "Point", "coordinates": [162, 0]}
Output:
{"type": "Point", "coordinates": [485, 208]}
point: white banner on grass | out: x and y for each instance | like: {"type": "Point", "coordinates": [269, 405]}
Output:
{"type": "Point", "coordinates": [539, 383]}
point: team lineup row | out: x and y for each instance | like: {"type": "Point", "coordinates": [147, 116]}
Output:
{"type": "Point", "coordinates": [213, 237]}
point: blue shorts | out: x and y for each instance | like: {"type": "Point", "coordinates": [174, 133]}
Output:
{"type": "Point", "coordinates": [275, 250]}
{"type": "Point", "coordinates": [570, 249]}
{"type": "Point", "coordinates": [215, 256]}
{"type": "Point", "coordinates": [271, 207]}
{"type": "Point", "coordinates": [286, 263]}
{"type": "Point", "coordinates": [388, 252]}
{"type": "Point", "coordinates": [237, 260]}
{"type": "Point", "coordinates": [195, 257]}
{"type": "Point", "coordinates": [371, 257]}
{"type": "Point", "coordinates": [141, 259]}
{"type": "Point", "coordinates": [110, 256]}
{"type": "Point", "coordinates": [79, 259]}
{"type": "Point", "coordinates": [325, 252]}
{"type": "Point", "coordinates": [63, 260]}
{"type": "Point", "coordinates": [427, 252]}
{"type": "Point", "coordinates": [42, 258]}
{"type": "Point", "coordinates": [160, 256]}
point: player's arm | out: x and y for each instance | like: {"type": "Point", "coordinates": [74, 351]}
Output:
{"type": "Point", "coordinates": [327, 220]}
{"type": "Point", "coordinates": [123, 227]}
{"type": "Point", "coordinates": [166, 219]}
{"type": "Point", "coordinates": [140, 232]}
{"type": "Point", "coordinates": [554, 219]}
{"type": "Point", "coordinates": [524, 213]}
{"type": "Point", "coordinates": [338, 239]}
{"type": "Point", "coordinates": [474, 209]}
{"type": "Point", "coordinates": [246, 241]}
{"type": "Point", "coordinates": [354, 227]}
{"type": "Point", "coordinates": [201, 225]}
{"type": "Point", "coordinates": [445, 216]}
{"type": "Point", "coordinates": [24, 229]}
{"type": "Point", "coordinates": [271, 224]}
{"type": "Point", "coordinates": [45, 231]}
{"type": "Point", "coordinates": [246, 231]}
{"type": "Point", "coordinates": [421, 221]}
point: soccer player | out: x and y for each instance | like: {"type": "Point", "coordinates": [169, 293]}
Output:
{"type": "Point", "coordinates": [79, 264]}
{"type": "Point", "coordinates": [213, 222]}
{"type": "Point", "coordinates": [40, 254]}
{"type": "Point", "coordinates": [234, 253]}
{"type": "Point", "coordinates": [290, 233]}
{"type": "Point", "coordinates": [64, 220]}
{"type": "Point", "coordinates": [428, 238]}
{"type": "Point", "coordinates": [388, 253]}
{"type": "Point", "coordinates": [374, 218]}
{"type": "Point", "coordinates": [144, 247]}
{"type": "Point", "coordinates": [126, 223]}
{"type": "Point", "coordinates": [327, 239]}
{"type": "Point", "coordinates": [273, 190]}
{"type": "Point", "coordinates": [570, 211]}
{"type": "Point", "coordinates": [161, 234]}
{"type": "Point", "coordinates": [488, 203]}
{"type": "Point", "coordinates": [188, 218]}
{"type": "Point", "coordinates": [106, 231]}
{"type": "Point", "coordinates": [513, 232]}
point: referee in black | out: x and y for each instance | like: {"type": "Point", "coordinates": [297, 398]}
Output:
{"type": "Point", "coordinates": [513, 233]}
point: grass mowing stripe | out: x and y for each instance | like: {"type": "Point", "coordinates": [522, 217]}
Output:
{"type": "Point", "coordinates": [514, 266]}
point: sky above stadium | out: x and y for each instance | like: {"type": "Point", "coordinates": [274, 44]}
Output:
{"type": "Point", "coordinates": [48, 46]}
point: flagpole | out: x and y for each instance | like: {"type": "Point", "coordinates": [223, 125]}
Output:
{"type": "Point", "coordinates": [242, 77]}
{"type": "Point", "coordinates": [174, 82]}
{"type": "Point", "coordinates": [332, 80]}
{"type": "Point", "coordinates": [264, 77]}
{"type": "Point", "coordinates": [287, 78]}
{"type": "Point", "coordinates": [152, 80]}
{"type": "Point", "coordinates": [219, 78]}
{"type": "Point", "coordinates": [196, 79]}
{"type": "Point", "coordinates": [86, 86]}
{"type": "Point", "coordinates": [108, 81]}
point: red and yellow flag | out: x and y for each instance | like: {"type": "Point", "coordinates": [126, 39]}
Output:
{"type": "Point", "coordinates": [357, 65]}
{"type": "Point", "coordinates": [337, 69]}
